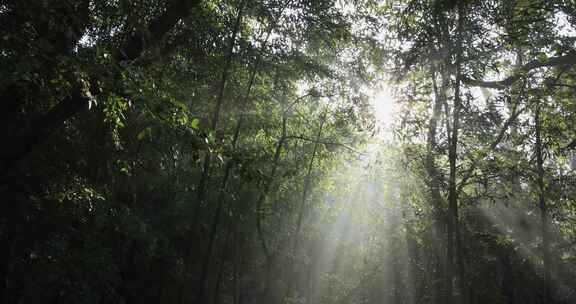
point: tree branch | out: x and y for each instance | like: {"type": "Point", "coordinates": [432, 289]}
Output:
{"type": "Point", "coordinates": [135, 44]}
{"type": "Point", "coordinates": [566, 60]}
{"type": "Point", "coordinates": [499, 138]}
{"type": "Point", "coordinates": [39, 128]}
{"type": "Point", "coordinates": [326, 143]}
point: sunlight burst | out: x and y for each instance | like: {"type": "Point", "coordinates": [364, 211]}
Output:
{"type": "Point", "coordinates": [384, 108]}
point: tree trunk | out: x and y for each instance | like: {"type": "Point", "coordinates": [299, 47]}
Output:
{"type": "Point", "coordinates": [454, 263]}
{"type": "Point", "coordinates": [302, 207]}
{"type": "Point", "coordinates": [214, 123]}
{"type": "Point", "coordinates": [220, 274]}
{"type": "Point", "coordinates": [202, 184]}
{"type": "Point", "coordinates": [507, 276]}
{"type": "Point", "coordinates": [434, 177]}
{"type": "Point", "coordinates": [543, 208]}
{"type": "Point", "coordinates": [228, 170]}
{"type": "Point", "coordinates": [270, 180]}
{"type": "Point", "coordinates": [455, 260]}
{"type": "Point", "coordinates": [236, 265]}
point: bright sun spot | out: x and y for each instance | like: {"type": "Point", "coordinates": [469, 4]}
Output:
{"type": "Point", "coordinates": [384, 108]}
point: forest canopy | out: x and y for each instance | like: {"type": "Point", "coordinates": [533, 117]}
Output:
{"type": "Point", "coordinates": [288, 151]}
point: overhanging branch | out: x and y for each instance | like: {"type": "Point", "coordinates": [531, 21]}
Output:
{"type": "Point", "coordinates": [326, 143]}
{"type": "Point", "coordinates": [566, 60]}
{"type": "Point", "coordinates": [135, 44]}
{"type": "Point", "coordinates": [513, 116]}
{"type": "Point", "coordinates": [39, 128]}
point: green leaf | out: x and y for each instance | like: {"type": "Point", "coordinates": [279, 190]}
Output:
{"type": "Point", "coordinates": [141, 135]}
{"type": "Point", "coordinates": [542, 57]}
{"type": "Point", "coordinates": [194, 124]}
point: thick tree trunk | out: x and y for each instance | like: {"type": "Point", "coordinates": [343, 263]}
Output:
{"type": "Point", "coordinates": [454, 263]}
{"type": "Point", "coordinates": [543, 208]}
{"type": "Point", "coordinates": [414, 275]}
{"type": "Point", "coordinates": [435, 178]}
{"type": "Point", "coordinates": [220, 274]}
{"type": "Point", "coordinates": [236, 280]}
{"type": "Point", "coordinates": [507, 276]}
